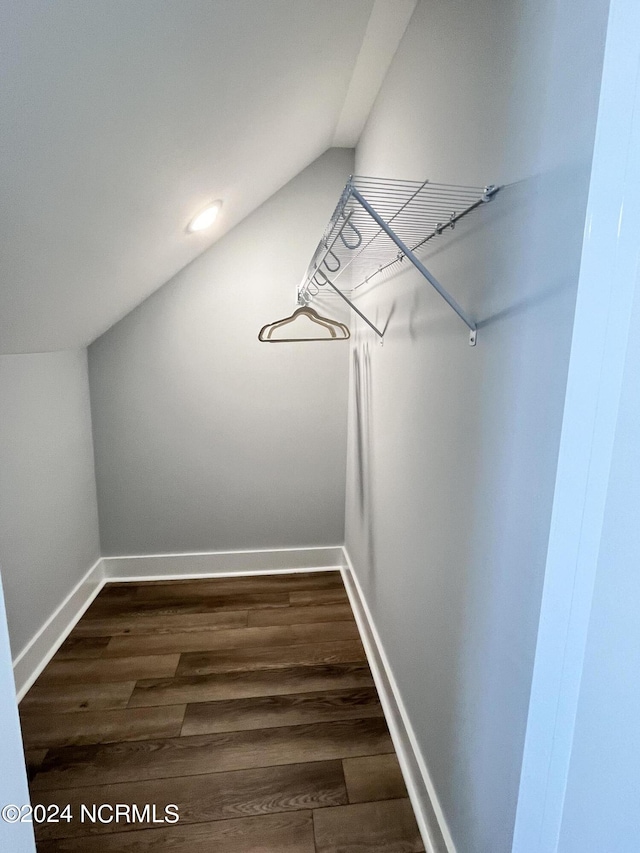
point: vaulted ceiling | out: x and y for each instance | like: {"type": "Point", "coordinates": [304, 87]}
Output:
{"type": "Point", "coordinates": [119, 120]}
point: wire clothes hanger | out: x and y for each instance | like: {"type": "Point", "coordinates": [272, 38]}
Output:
{"type": "Point", "coordinates": [336, 331]}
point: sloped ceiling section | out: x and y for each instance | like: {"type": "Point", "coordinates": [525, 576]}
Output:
{"type": "Point", "coordinates": [121, 119]}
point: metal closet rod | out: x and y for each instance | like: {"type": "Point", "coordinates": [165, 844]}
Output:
{"type": "Point", "coordinates": [415, 260]}
{"type": "Point", "coordinates": [440, 227]}
{"type": "Point", "coordinates": [404, 249]}
{"type": "Point", "coordinates": [328, 281]}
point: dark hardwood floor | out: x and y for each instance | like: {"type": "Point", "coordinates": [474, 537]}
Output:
{"type": "Point", "coordinates": [245, 702]}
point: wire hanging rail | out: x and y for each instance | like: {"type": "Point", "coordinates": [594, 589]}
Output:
{"type": "Point", "coordinates": [380, 222]}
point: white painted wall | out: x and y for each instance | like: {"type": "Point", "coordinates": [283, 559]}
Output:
{"type": "Point", "coordinates": [601, 799]}
{"type": "Point", "coordinates": [205, 438]}
{"type": "Point", "coordinates": [13, 780]}
{"type": "Point", "coordinates": [48, 513]}
{"type": "Point", "coordinates": [579, 782]}
{"type": "Point", "coordinates": [453, 450]}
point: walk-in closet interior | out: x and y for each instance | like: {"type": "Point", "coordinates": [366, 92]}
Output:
{"type": "Point", "coordinates": [284, 599]}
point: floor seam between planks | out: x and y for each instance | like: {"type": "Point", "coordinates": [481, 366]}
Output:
{"type": "Point", "coordinates": [269, 747]}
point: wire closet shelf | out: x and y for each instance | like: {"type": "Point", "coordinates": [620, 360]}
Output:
{"type": "Point", "coordinates": [377, 225]}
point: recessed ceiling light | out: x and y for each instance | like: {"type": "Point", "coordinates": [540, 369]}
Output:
{"type": "Point", "coordinates": [205, 218]}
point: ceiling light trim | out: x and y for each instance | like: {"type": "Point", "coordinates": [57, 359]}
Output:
{"type": "Point", "coordinates": [205, 218]}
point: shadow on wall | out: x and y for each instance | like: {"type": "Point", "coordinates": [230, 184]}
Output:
{"type": "Point", "coordinates": [537, 216]}
{"type": "Point", "coordinates": [478, 245]}
{"type": "Point", "coordinates": [364, 444]}
{"type": "Point", "coordinates": [454, 450]}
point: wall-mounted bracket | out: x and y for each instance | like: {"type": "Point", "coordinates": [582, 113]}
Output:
{"type": "Point", "coordinates": [327, 280]}
{"type": "Point", "coordinates": [377, 224]}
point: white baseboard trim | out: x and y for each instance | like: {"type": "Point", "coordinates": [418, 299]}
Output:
{"type": "Point", "coordinates": [36, 655]}
{"type": "Point", "coordinates": [28, 665]}
{"type": "Point", "coordinates": [31, 661]}
{"type": "Point", "coordinates": [222, 563]}
{"type": "Point", "coordinates": [431, 820]}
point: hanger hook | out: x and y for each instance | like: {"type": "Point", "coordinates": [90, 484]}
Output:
{"type": "Point", "coordinates": [336, 259]}
{"type": "Point", "coordinates": [324, 276]}
{"type": "Point", "coordinates": [347, 244]}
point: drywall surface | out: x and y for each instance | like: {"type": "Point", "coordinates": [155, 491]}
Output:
{"type": "Point", "coordinates": [452, 450]}
{"type": "Point", "coordinates": [121, 120]}
{"type": "Point", "coordinates": [48, 514]}
{"type": "Point", "coordinates": [601, 808]}
{"type": "Point", "coordinates": [593, 486]}
{"type": "Point", "coordinates": [205, 438]}
{"type": "Point", "coordinates": [17, 837]}
{"type": "Point", "coordinates": [600, 767]}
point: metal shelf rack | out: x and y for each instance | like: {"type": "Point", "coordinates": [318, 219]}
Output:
{"type": "Point", "coordinates": [380, 222]}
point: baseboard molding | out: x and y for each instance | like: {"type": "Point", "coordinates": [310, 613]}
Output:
{"type": "Point", "coordinates": [222, 563]}
{"type": "Point", "coordinates": [431, 821]}
{"type": "Point", "coordinates": [31, 661]}
{"type": "Point", "coordinates": [28, 665]}
{"type": "Point", "coordinates": [36, 655]}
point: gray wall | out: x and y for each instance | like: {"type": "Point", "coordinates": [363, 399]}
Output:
{"type": "Point", "coordinates": [205, 438]}
{"type": "Point", "coordinates": [601, 801]}
{"type": "Point", "coordinates": [48, 514]}
{"type": "Point", "coordinates": [453, 450]}
{"type": "Point", "coordinates": [13, 780]}
{"type": "Point", "coordinates": [579, 781]}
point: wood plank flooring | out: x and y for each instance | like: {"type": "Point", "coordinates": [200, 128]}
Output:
{"type": "Point", "coordinates": [245, 702]}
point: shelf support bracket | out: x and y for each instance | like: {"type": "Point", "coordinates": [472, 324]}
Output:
{"type": "Point", "coordinates": [328, 281]}
{"type": "Point", "coordinates": [433, 281]}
